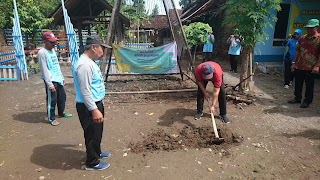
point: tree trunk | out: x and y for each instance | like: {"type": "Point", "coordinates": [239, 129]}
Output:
{"type": "Point", "coordinates": [194, 54]}
{"type": "Point", "coordinates": [26, 36]}
{"type": "Point", "coordinates": [244, 67]}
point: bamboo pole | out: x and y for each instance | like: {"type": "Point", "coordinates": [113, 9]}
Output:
{"type": "Point", "coordinates": [111, 39]}
{"type": "Point", "coordinates": [110, 35]}
{"type": "Point", "coordinates": [184, 38]}
{"type": "Point", "coordinates": [250, 65]}
{"type": "Point", "coordinates": [173, 36]}
{"type": "Point", "coordinates": [153, 92]}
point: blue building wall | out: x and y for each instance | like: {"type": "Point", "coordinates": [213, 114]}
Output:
{"type": "Point", "coordinates": [266, 52]}
{"type": "Point", "coordinates": [300, 12]}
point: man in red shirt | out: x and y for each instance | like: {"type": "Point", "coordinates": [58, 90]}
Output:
{"type": "Point", "coordinates": [306, 62]}
{"type": "Point", "coordinates": [211, 71]}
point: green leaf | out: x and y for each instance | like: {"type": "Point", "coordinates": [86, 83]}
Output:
{"type": "Point", "coordinates": [196, 33]}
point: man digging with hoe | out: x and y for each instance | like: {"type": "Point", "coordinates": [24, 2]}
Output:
{"type": "Point", "coordinates": [211, 71]}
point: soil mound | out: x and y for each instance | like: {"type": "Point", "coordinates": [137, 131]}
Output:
{"type": "Point", "coordinates": [201, 137]}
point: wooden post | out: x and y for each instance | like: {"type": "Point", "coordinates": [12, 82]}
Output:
{"type": "Point", "coordinates": [10, 72]}
{"type": "Point", "coordinates": [145, 35]}
{"type": "Point", "coordinates": [138, 33]}
{"type": "Point", "coordinates": [110, 36]}
{"type": "Point", "coordinates": [173, 36]}
{"type": "Point", "coordinates": [167, 13]}
{"type": "Point", "coordinates": [79, 26]}
{"type": "Point", "coordinates": [5, 73]}
{"type": "Point", "coordinates": [21, 75]}
{"type": "Point", "coordinates": [184, 38]}
{"type": "Point", "coordinates": [15, 73]}
{"type": "Point", "coordinates": [138, 23]}
{"type": "Point", "coordinates": [115, 12]}
{"type": "Point", "coordinates": [90, 13]}
{"type": "Point", "coordinates": [250, 65]}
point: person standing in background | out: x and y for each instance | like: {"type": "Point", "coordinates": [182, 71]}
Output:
{"type": "Point", "coordinates": [53, 78]}
{"type": "Point", "coordinates": [208, 47]}
{"type": "Point", "coordinates": [234, 52]}
{"type": "Point", "coordinates": [306, 62]}
{"type": "Point", "coordinates": [291, 41]}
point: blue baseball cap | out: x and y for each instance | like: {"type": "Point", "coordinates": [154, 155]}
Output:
{"type": "Point", "coordinates": [207, 71]}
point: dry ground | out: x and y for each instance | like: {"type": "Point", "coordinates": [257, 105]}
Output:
{"type": "Point", "coordinates": [276, 140]}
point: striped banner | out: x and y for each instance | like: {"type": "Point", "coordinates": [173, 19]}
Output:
{"type": "Point", "coordinates": [18, 43]}
{"type": "Point", "coordinates": [72, 41]}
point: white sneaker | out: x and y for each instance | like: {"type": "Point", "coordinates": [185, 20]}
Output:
{"type": "Point", "coordinates": [290, 84]}
{"type": "Point", "coordinates": [286, 86]}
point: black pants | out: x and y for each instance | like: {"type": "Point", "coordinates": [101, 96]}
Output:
{"type": "Point", "coordinates": [304, 76]}
{"type": "Point", "coordinates": [288, 74]}
{"type": "Point", "coordinates": [55, 98]}
{"type": "Point", "coordinates": [234, 62]}
{"type": "Point", "coordinates": [222, 99]}
{"type": "Point", "coordinates": [92, 132]}
{"type": "Point", "coordinates": [207, 56]}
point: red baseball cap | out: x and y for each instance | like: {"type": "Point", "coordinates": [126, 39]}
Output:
{"type": "Point", "coordinates": [49, 36]}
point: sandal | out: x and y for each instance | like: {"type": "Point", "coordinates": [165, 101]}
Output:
{"type": "Point", "coordinates": [54, 122]}
{"type": "Point", "coordinates": [64, 115]}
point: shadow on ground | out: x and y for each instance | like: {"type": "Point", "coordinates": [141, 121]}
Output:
{"type": "Point", "coordinates": [294, 110]}
{"type": "Point", "coordinates": [31, 117]}
{"type": "Point", "coordinates": [58, 156]}
{"type": "Point", "coordinates": [310, 134]}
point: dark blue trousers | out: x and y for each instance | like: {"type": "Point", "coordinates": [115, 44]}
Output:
{"type": "Point", "coordinates": [301, 77]}
{"type": "Point", "coordinates": [92, 132]}
{"type": "Point", "coordinates": [55, 98]}
{"type": "Point", "coordinates": [222, 99]}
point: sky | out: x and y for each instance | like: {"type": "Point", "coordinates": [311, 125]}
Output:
{"type": "Point", "coordinates": [151, 3]}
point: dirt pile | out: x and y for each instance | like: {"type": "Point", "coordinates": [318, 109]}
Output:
{"type": "Point", "coordinates": [201, 137]}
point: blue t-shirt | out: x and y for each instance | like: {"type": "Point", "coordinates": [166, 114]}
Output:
{"type": "Point", "coordinates": [207, 47]}
{"type": "Point", "coordinates": [53, 67]}
{"type": "Point", "coordinates": [292, 45]}
{"type": "Point", "coordinates": [88, 82]}
{"type": "Point", "coordinates": [234, 50]}
{"type": "Point", "coordinates": [292, 48]}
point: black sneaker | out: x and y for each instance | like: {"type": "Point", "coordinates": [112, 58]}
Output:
{"type": "Point", "coordinates": [198, 116]}
{"type": "Point", "coordinates": [294, 101]}
{"type": "Point", "coordinates": [224, 118]}
{"type": "Point", "coordinates": [304, 105]}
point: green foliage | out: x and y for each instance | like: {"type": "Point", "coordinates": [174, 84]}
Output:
{"type": "Point", "coordinates": [196, 33]}
{"type": "Point", "coordinates": [33, 66]}
{"type": "Point", "coordinates": [135, 12]}
{"type": "Point", "coordinates": [249, 18]}
{"type": "Point", "coordinates": [6, 14]}
{"type": "Point", "coordinates": [31, 19]}
{"type": "Point", "coordinates": [139, 5]}
{"type": "Point", "coordinates": [6, 6]}
{"type": "Point", "coordinates": [155, 10]}
{"type": "Point", "coordinates": [32, 15]}
{"type": "Point", "coordinates": [46, 7]}
{"type": "Point", "coordinates": [185, 3]}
